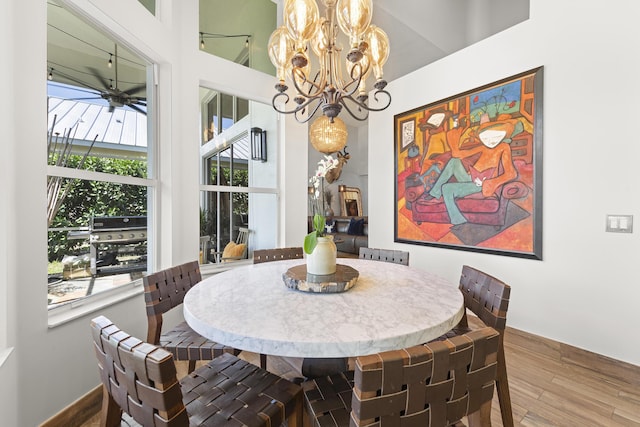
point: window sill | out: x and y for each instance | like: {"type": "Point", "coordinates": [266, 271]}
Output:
{"type": "Point", "coordinates": [68, 312]}
{"type": "Point", "coordinates": [207, 270]}
{"type": "Point", "coordinates": [76, 309]}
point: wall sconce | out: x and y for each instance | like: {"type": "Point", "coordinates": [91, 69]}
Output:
{"type": "Point", "coordinates": [258, 144]}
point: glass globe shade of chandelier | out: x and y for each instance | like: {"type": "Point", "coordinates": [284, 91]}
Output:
{"type": "Point", "coordinates": [327, 88]}
{"type": "Point", "coordinates": [328, 135]}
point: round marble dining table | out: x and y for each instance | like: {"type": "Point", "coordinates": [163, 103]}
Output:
{"type": "Point", "coordinates": [391, 306]}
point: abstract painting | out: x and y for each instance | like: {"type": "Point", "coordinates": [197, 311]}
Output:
{"type": "Point", "coordinates": [469, 170]}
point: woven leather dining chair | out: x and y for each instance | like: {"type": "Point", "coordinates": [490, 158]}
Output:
{"type": "Point", "coordinates": [488, 298]}
{"type": "Point", "coordinates": [164, 290]}
{"type": "Point", "coordinates": [386, 255]}
{"type": "Point", "coordinates": [140, 379]}
{"type": "Point", "coordinates": [435, 384]}
{"type": "Point", "coordinates": [277, 254]}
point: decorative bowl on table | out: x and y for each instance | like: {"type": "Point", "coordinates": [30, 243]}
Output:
{"type": "Point", "coordinates": [342, 280]}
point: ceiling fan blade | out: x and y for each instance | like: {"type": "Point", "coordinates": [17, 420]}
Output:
{"type": "Point", "coordinates": [105, 82]}
{"type": "Point", "coordinates": [138, 109]}
{"type": "Point", "coordinates": [82, 99]}
{"type": "Point", "coordinates": [135, 89]}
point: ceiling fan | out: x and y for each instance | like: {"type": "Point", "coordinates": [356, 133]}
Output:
{"type": "Point", "coordinates": [113, 94]}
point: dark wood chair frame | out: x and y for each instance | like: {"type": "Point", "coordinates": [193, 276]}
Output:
{"type": "Point", "coordinates": [140, 379]}
{"type": "Point", "coordinates": [435, 384]}
{"type": "Point", "coordinates": [488, 298]}
{"type": "Point", "coordinates": [386, 255]}
{"type": "Point", "coordinates": [165, 290]}
{"type": "Point", "coordinates": [277, 254]}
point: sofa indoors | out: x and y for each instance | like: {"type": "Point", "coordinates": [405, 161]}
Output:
{"type": "Point", "coordinates": [348, 240]}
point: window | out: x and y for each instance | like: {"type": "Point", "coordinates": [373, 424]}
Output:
{"type": "Point", "coordinates": [150, 5]}
{"type": "Point", "coordinates": [238, 31]}
{"type": "Point", "coordinates": [237, 193]}
{"type": "Point", "coordinates": [98, 149]}
{"type": "Point", "coordinates": [222, 111]}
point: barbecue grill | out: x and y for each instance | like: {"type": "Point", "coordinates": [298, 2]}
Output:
{"type": "Point", "coordinates": [114, 236]}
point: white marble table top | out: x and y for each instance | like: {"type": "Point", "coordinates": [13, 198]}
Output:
{"type": "Point", "coordinates": [391, 306]}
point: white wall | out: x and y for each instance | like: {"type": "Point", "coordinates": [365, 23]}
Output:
{"type": "Point", "coordinates": [584, 292]}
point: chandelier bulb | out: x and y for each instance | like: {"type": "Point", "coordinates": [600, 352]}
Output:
{"type": "Point", "coordinates": [354, 17]}
{"type": "Point", "coordinates": [301, 19]}
{"type": "Point", "coordinates": [280, 50]}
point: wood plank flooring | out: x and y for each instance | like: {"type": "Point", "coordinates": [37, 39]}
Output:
{"type": "Point", "coordinates": [551, 384]}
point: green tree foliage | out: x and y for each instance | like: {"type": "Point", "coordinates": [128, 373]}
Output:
{"type": "Point", "coordinates": [97, 198]}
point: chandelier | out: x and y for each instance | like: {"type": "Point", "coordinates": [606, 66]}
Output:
{"type": "Point", "coordinates": [329, 89]}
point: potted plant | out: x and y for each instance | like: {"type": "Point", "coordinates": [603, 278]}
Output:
{"type": "Point", "coordinates": [311, 239]}
{"type": "Point", "coordinates": [320, 248]}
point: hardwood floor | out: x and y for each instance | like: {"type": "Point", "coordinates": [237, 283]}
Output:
{"type": "Point", "coordinates": [551, 384]}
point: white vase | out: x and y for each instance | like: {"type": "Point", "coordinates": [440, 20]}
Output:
{"type": "Point", "coordinates": [323, 258]}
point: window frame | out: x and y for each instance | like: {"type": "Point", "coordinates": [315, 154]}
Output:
{"type": "Point", "coordinates": [209, 149]}
{"type": "Point", "coordinates": [66, 312]}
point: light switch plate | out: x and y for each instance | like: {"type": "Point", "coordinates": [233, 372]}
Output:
{"type": "Point", "coordinates": [619, 223]}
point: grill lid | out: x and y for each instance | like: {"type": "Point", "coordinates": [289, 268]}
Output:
{"type": "Point", "coordinates": [118, 222]}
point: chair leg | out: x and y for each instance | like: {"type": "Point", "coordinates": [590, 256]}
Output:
{"type": "Point", "coordinates": [502, 386]}
{"type": "Point", "coordinates": [192, 366]}
{"type": "Point", "coordinates": [263, 361]}
{"type": "Point", "coordinates": [111, 413]}
{"type": "Point", "coordinates": [296, 419]}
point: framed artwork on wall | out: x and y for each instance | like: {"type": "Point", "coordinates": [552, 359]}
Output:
{"type": "Point", "coordinates": [470, 177]}
{"type": "Point", "coordinates": [350, 201]}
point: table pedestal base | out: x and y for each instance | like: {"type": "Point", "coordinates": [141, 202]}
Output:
{"type": "Point", "coordinates": [321, 367]}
